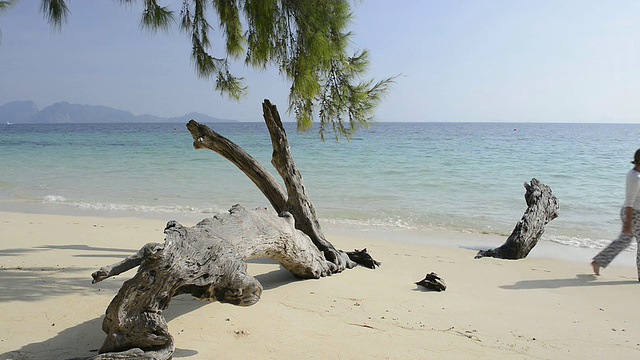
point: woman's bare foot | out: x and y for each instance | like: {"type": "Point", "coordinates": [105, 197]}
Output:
{"type": "Point", "coordinates": [596, 268]}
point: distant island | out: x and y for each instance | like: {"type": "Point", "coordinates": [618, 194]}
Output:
{"type": "Point", "coordinates": [23, 112]}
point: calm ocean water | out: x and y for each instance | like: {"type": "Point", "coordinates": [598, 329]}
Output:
{"type": "Point", "coordinates": [462, 177]}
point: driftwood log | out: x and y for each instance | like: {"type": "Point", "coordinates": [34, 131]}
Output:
{"type": "Point", "coordinates": [208, 259]}
{"type": "Point", "coordinates": [542, 207]}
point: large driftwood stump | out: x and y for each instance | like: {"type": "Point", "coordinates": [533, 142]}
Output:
{"type": "Point", "coordinates": [206, 261]}
{"type": "Point", "coordinates": [542, 208]}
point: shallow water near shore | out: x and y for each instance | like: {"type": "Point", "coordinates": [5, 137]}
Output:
{"type": "Point", "coordinates": [395, 178]}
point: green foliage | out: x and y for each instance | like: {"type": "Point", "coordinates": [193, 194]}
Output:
{"type": "Point", "coordinates": [155, 17]}
{"type": "Point", "coordinates": [55, 12]}
{"type": "Point", "coordinates": [307, 40]}
{"type": "Point", "coordinates": [6, 4]}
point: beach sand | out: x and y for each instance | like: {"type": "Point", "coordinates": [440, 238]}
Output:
{"type": "Point", "coordinates": [534, 308]}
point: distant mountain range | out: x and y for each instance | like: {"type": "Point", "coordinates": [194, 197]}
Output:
{"type": "Point", "coordinates": [22, 112]}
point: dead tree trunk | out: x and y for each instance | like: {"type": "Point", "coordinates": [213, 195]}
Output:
{"type": "Point", "coordinates": [208, 260]}
{"type": "Point", "coordinates": [542, 208]}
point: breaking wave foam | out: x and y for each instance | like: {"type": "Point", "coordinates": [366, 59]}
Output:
{"type": "Point", "coordinates": [61, 200]}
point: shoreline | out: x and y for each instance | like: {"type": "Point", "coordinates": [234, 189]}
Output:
{"type": "Point", "coordinates": [534, 308]}
{"type": "Point", "coordinates": [451, 238]}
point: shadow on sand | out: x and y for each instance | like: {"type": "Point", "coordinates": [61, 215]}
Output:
{"type": "Point", "coordinates": [276, 278]}
{"type": "Point", "coordinates": [83, 340]}
{"type": "Point", "coordinates": [23, 283]}
{"type": "Point", "coordinates": [79, 342]}
{"type": "Point", "coordinates": [579, 280]}
{"type": "Point", "coordinates": [78, 247]}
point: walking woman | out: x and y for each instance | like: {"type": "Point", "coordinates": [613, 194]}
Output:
{"type": "Point", "coordinates": [630, 215]}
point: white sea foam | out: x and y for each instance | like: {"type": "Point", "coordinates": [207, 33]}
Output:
{"type": "Point", "coordinates": [54, 199]}
{"type": "Point", "coordinates": [587, 243]}
{"type": "Point", "coordinates": [60, 200]}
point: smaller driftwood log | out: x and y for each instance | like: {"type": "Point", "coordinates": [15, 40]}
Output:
{"type": "Point", "coordinates": [542, 208]}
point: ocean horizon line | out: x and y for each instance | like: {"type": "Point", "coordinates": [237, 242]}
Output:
{"type": "Point", "coordinates": [372, 122]}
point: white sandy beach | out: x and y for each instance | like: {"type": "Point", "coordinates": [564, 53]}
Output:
{"type": "Point", "coordinates": [535, 308]}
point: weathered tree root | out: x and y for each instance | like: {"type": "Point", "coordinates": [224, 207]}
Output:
{"type": "Point", "coordinates": [542, 208]}
{"type": "Point", "coordinates": [206, 261]}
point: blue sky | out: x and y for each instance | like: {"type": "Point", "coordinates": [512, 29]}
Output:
{"type": "Point", "coordinates": [491, 60]}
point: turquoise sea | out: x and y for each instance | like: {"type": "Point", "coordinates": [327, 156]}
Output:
{"type": "Point", "coordinates": [399, 178]}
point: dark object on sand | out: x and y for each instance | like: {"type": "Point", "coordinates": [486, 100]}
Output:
{"type": "Point", "coordinates": [433, 282]}
{"type": "Point", "coordinates": [362, 257]}
{"type": "Point", "coordinates": [542, 208]}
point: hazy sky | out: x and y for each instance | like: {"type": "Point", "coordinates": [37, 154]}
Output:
{"type": "Point", "coordinates": [490, 60]}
